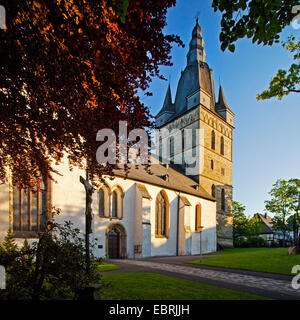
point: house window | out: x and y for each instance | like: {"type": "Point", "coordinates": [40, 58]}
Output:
{"type": "Point", "coordinates": [114, 207]}
{"type": "Point", "coordinates": [29, 210]}
{"type": "Point", "coordinates": [213, 190]}
{"type": "Point", "coordinates": [212, 164]}
{"type": "Point", "coordinates": [223, 171]}
{"type": "Point", "coordinates": [222, 146]}
{"type": "Point", "coordinates": [213, 140]}
{"type": "Point", "coordinates": [162, 216]}
{"type": "Point", "coordinates": [198, 218]}
{"type": "Point", "coordinates": [223, 200]}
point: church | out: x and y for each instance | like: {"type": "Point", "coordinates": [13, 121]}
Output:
{"type": "Point", "coordinates": [165, 213]}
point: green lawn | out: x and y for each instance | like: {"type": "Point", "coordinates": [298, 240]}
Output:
{"type": "Point", "coordinates": [152, 286]}
{"type": "Point", "coordinates": [274, 260]}
{"type": "Point", "coordinates": [103, 266]}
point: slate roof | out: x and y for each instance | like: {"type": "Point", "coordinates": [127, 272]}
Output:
{"type": "Point", "coordinates": [168, 105]}
{"type": "Point", "coordinates": [222, 101]}
{"type": "Point", "coordinates": [164, 176]}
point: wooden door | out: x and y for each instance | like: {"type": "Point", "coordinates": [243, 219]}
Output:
{"type": "Point", "coordinates": [113, 244]}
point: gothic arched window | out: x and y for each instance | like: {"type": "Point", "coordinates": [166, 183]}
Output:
{"type": "Point", "coordinates": [223, 200]}
{"type": "Point", "coordinates": [114, 204]}
{"type": "Point", "coordinates": [117, 198]}
{"type": "Point", "coordinates": [103, 197]}
{"type": "Point", "coordinates": [198, 218]}
{"type": "Point", "coordinates": [213, 190]}
{"type": "Point", "coordinates": [101, 202]}
{"type": "Point", "coordinates": [222, 146]}
{"type": "Point", "coordinates": [162, 215]}
{"type": "Point", "coordinates": [30, 209]}
{"type": "Point", "coordinates": [213, 140]}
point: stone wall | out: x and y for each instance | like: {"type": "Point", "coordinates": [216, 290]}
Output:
{"type": "Point", "coordinates": [220, 175]}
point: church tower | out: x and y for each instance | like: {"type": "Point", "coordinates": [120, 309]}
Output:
{"type": "Point", "coordinates": [210, 140]}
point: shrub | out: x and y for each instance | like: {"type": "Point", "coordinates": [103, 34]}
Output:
{"type": "Point", "coordinates": [251, 242]}
{"type": "Point", "coordinates": [274, 244]}
{"type": "Point", "coordinates": [52, 268]}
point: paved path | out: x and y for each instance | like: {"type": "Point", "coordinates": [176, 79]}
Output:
{"type": "Point", "coordinates": [277, 287]}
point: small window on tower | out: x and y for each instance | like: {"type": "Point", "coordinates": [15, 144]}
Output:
{"type": "Point", "coordinates": [222, 146]}
{"type": "Point", "coordinates": [212, 164]}
{"type": "Point", "coordinates": [213, 140]}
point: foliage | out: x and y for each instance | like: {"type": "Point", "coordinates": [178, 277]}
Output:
{"type": "Point", "coordinates": [70, 68]}
{"type": "Point", "coordinates": [242, 226]}
{"type": "Point", "coordinates": [251, 242]}
{"type": "Point", "coordinates": [284, 201]}
{"type": "Point", "coordinates": [239, 219]}
{"type": "Point", "coordinates": [52, 268]}
{"type": "Point", "coordinates": [261, 21]}
{"type": "Point", "coordinates": [254, 226]}
{"type": "Point", "coordinates": [285, 82]}
{"type": "Point", "coordinates": [121, 6]}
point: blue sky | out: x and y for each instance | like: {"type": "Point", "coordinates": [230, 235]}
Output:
{"type": "Point", "coordinates": [266, 138]}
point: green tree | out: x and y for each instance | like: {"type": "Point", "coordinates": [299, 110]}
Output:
{"type": "Point", "coordinates": [242, 225]}
{"type": "Point", "coordinates": [239, 219]}
{"type": "Point", "coordinates": [262, 21]}
{"type": "Point", "coordinates": [282, 199]}
{"type": "Point", "coordinates": [295, 205]}
{"type": "Point", "coordinates": [285, 82]}
{"type": "Point", "coordinates": [254, 226]}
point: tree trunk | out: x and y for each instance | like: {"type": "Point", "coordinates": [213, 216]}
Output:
{"type": "Point", "coordinates": [283, 240]}
{"type": "Point", "coordinates": [88, 218]}
{"type": "Point", "coordinates": [39, 274]}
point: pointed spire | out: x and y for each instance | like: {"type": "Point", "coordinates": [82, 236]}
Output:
{"type": "Point", "coordinates": [222, 101]}
{"type": "Point", "coordinates": [196, 51]}
{"type": "Point", "coordinates": [168, 99]}
{"type": "Point", "coordinates": [167, 105]}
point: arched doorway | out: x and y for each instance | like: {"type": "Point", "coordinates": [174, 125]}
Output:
{"type": "Point", "coordinates": [116, 241]}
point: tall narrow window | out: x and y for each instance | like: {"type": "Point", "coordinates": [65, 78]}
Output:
{"type": "Point", "coordinates": [213, 140]}
{"type": "Point", "coordinates": [212, 164]}
{"type": "Point", "coordinates": [198, 218]}
{"type": "Point", "coordinates": [161, 217]}
{"type": "Point", "coordinates": [29, 210]}
{"type": "Point", "coordinates": [213, 190]}
{"type": "Point", "coordinates": [114, 208]}
{"type": "Point", "coordinates": [194, 142]}
{"type": "Point", "coordinates": [160, 148]}
{"type": "Point", "coordinates": [183, 146]}
{"type": "Point", "coordinates": [171, 149]}
{"type": "Point", "coordinates": [101, 202]}
{"type": "Point", "coordinates": [222, 146]}
{"type": "Point", "coordinates": [223, 200]}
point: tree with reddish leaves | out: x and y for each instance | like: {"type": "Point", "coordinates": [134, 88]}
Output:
{"type": "Point", "coordinates": [68, 69]}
